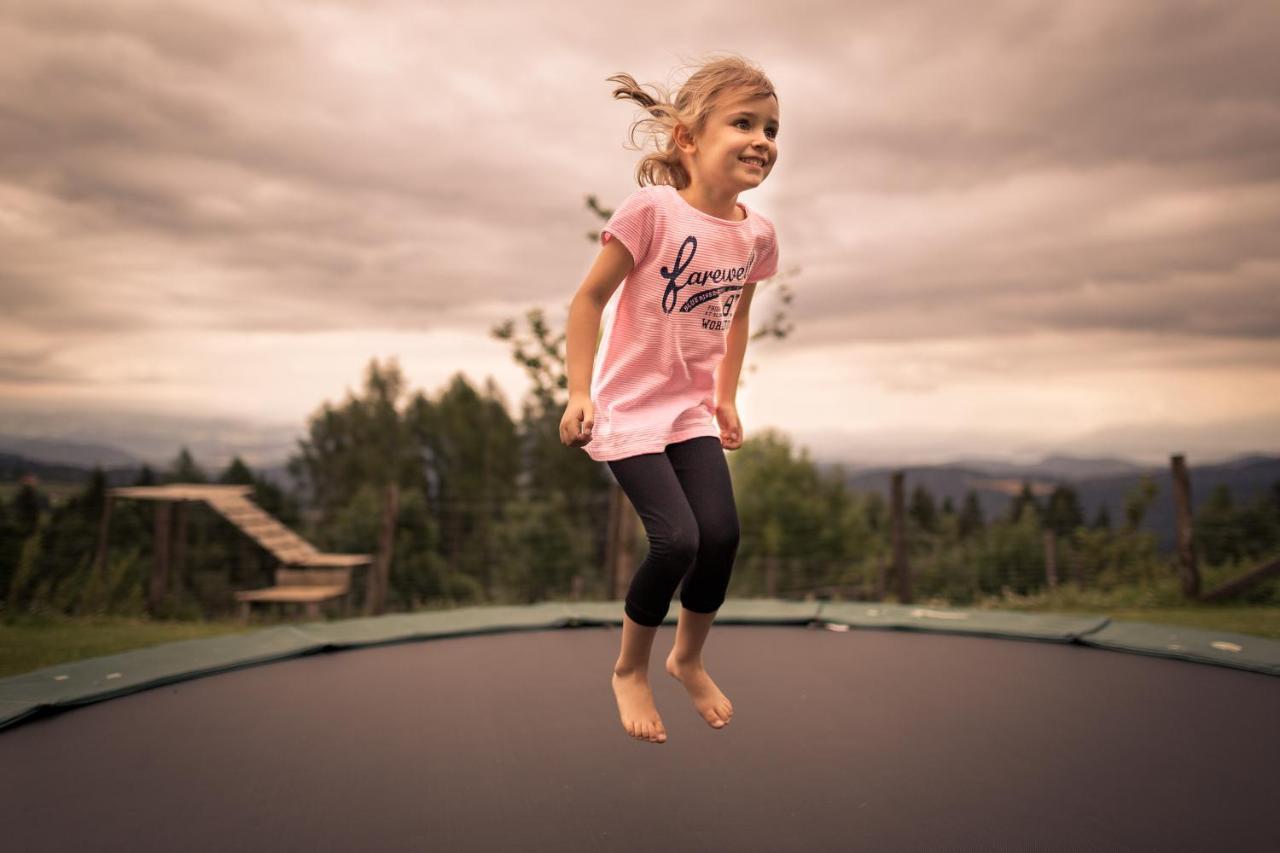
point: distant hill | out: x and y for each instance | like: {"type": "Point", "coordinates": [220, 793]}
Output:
{"type": "Point", "coordinates": [66, 452]}
{"type": "Point", "coordinates": [213, 444]}
{"type": "Point", "coordinates": [996, 484]}
{"type": "Point", "coordinates": [1058, 467]}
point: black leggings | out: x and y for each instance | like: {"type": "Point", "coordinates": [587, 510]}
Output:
{"type": "Point", "coordinates": [685, 498]}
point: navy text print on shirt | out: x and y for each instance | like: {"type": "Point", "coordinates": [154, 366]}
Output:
{"type": "Point", "coordinates": [671, 295]}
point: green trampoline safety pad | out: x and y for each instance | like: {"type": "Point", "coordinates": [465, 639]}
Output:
{"type": "Point", "coordinates": [1052, 627]}
{"type": "Point", "coordinates": [1241, 651]}
{"type": "Point", "coordinates": [96, 679]}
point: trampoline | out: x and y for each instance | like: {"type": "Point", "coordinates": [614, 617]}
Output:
{"type": "Point", "coordinates": [857, 726]}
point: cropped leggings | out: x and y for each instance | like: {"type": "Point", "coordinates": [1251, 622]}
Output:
{"type": "Point", "coordinates": [684, 496]}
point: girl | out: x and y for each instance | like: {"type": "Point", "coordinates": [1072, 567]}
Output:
{"type": "Point", "coordinates": [669, 359]}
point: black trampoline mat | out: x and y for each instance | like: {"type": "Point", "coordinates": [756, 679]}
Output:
{"type": "Point", "coordinates": [858, 740]}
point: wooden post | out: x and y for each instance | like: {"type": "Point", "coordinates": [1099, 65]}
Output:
{"type": "Point", "coordinates": [612, 581]}
{"type": "Point", "coordinates": [179, 541]}
{"type": "Point", "coordinates": [771, 576]}
{"type": "Point", "coordinates": [898, 527]}
{"type": "Point", "coordinates": [1182, 519]}
{"type": "Point", "coordinates": [624, 560]}
{"type": "Point", "coordinates": [159, 586]}
{"type": "Point", "coordinates": [245, 558]}
{"type": "Point", "coordinates": [97, 568]}
{"type": "Point", "coordinates": [104, 524]}
{"type": "Point", "coordinates": [380, 573]}
{"type": "Point", "coordinates": [1050, 558]}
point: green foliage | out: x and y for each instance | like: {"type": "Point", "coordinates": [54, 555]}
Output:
{"type": "Point", "coordinates": [788, 511]}
{"type": "Point", "coordinates": [495, 510]}
{"type": "Point", "coordinates": [1025, 498]}
{"type": "Point", "coordinates": [539, 548]}
{"type": "Point", "coordinates": [1063, 514]}
{"type": "Point", "coordinates": [971, 520]}
{"type": "Point", "coordinates": [921, 509]}
{"type": "Point", "coordinates": [1138, 501]}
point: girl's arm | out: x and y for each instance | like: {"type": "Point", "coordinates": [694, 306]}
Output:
{"type": "Point", "coordinates": [611, 266]}
{"type": "Point", "coordinates": [731, 365]}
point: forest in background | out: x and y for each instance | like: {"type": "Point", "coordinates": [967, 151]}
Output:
{"type": "Point", "coordinates": [495, 510]}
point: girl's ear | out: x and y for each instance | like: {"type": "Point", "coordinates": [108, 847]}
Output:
{"type": "Point", "coordinates": [682, 136]}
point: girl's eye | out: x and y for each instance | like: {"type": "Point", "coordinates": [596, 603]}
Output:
{"type": "Point", "coordinates": [745, 121]}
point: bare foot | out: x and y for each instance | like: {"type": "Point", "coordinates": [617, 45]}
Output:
{"type": "Point", "coordinates": [713, 705]}
{"type": "Point", "coordinates": [635, 707]}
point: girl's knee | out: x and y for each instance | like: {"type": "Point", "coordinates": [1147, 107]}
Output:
{"type": "Point", "coordinates": [722, 537]}
{"type": "Point", "coordinates": [678, 543]}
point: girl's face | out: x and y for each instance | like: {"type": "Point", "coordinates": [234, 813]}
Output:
{"type": "Point", "coordinates": [741, 128]}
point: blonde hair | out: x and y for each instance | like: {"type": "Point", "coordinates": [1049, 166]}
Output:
{"type": "Point", "coordinates": [708, 87]}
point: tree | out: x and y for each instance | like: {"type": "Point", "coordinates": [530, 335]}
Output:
{"type": "Point", "coordinates": [362, 441]}
{"type": "Point", "coordinates": [1025, 498]}
{"type": "Point", "coordinates": [971, 520]}
{"type": "Point", "coordinates": [185, 470]}
{"type": "Point", "coordinates": [1063, 513]}
{"type": "Point", "coordinates": [922, 509]}
{"type": "Point", "coordinates": [474, 461]}
{"type": "Point", "coordinates": [1217, 529]}
{"type": "Point", "coordinates": [28, 505]}
{"type": "Point", "coordinates": [1138, 501]}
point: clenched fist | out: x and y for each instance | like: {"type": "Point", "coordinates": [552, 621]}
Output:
{"type": "Point", "coordinates": [579, 418]}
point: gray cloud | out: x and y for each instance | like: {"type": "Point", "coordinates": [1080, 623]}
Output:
{"type": "Point", "coordinates": [944, 171]}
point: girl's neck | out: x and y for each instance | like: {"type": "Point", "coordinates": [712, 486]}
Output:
{"type": "Point", "coordinates": [713, 203]}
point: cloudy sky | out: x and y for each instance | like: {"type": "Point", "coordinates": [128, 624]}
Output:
{"type": "Point", "coordinates": [1010, 228]}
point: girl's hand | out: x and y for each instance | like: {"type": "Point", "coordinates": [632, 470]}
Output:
{"type": "Point", "coordinates": [730, 426]}
{"type": "Point", "coordinates": [579, 418]}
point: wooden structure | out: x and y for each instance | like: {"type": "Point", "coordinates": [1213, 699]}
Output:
{"type": "Point", "coordinates": [620, 540]}
{"type": "Point", "coordinates": [1188, 569]}
{"type": "Point", "coordinates": [305, 575]}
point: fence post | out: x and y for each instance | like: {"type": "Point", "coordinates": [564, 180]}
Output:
{"type": "Point", "coordinates": [159, 585]}
{"type": "Point", "coordinates": [378, 582]}
{"type": "Point", "coordinates": [621, 541]}
{"type": "Point", "coordinates": [100, 554]}
{"type": "Point", "coordinates": [900, 540]}
{"type": "Point", "coordinates": [612, 583]}
{"type": "Point", "coordinates": [1182, 518]}
{"type": "Point", "coordinates": [1050, 558]}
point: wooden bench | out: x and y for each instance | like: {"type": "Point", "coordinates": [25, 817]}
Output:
{"type": "Point", "coordinates": [309, 586]}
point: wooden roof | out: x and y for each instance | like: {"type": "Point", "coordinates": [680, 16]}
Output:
{"type": "Point", "coordinates": [180, 492]}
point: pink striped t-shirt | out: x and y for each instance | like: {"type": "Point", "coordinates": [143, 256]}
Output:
{"type": "Point", "coordinates": [666, 327]}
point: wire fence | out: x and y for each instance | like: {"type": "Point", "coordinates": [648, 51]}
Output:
{"type": "Point", "coordinates": [540, 546]}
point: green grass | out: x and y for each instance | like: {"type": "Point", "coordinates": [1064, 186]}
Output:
{"type": "Point", "coordinates": [28, 642]}
{"type": "Point", "coordinates": [1254, 620]}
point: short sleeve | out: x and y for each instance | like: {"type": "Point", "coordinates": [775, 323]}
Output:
{"type": "Point", "coordinates": [632, 223]}
{"type": "Point", "coordinates": [767, 261]}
